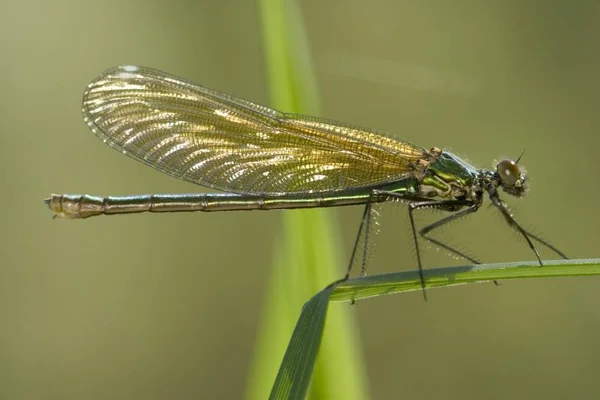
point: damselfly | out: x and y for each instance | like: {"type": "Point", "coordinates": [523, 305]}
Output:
{"type": "Point", "coordinates": [266, 160]}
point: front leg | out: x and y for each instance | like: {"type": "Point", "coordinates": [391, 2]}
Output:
{"type": "Point", "coordinates": [513, 224]}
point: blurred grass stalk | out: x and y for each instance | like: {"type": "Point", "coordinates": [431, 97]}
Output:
{"type": "Point", "coordinates": [308, 253]}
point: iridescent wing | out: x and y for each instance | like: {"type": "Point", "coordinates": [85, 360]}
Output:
{"type": "Point", "coordinates": [215, 140]}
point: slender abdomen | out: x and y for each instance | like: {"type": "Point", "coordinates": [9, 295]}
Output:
{"type": "Point", "coordinates": [77, 206]}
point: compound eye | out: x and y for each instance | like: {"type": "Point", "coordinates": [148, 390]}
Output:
{"type": "Point", "coordinates": [509, 172]}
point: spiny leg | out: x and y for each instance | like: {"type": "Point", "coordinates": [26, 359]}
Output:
{"type": "Point", "coordinates": [367, 224]}
{"type": "Point", "coordinates": [546, 244]}
{"type": "Point", "coordinates": [511, 221]}
{"type": "Point", "coordinates": [443, 205]}
{"type": "Point", "coordinates": [429, 228]}
{"type": "Point", "coordinates": [364, 224]}
{"type": "Point", "coordinates": [446, 205]}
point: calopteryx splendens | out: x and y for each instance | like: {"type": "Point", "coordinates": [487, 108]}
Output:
{"type": "Point", "coordinates": [265, 159]}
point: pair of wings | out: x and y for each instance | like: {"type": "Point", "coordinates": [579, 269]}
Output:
{"type": "Point", "coordinates": [215, 140]}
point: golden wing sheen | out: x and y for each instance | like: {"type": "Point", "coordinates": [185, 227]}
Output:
{"type": "Point", "coordinates": [215, 140]}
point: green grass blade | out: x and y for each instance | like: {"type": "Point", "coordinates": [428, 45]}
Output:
{"type": "Point", "coordinates": [301, 353]}
{"type": "Point", "coordinates": [379, 285]}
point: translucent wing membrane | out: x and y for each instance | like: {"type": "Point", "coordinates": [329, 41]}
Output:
{"type": "Point", "coordinates": [215, 140]}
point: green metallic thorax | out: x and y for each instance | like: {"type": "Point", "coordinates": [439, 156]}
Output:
{"type": "Point", "coordinates": [448, 176]}
{"type": "Point", "coordinates": [440, 175]}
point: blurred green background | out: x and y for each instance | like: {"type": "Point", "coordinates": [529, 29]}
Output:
{"type": "Point", "coordinates": [167, 306]}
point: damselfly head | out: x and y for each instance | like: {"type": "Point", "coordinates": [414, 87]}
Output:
{"type": "Point", "coordinates": [511, 177]}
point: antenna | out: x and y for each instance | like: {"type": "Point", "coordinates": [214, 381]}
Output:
{"type": "Point", "coordinates": [519, 159]}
